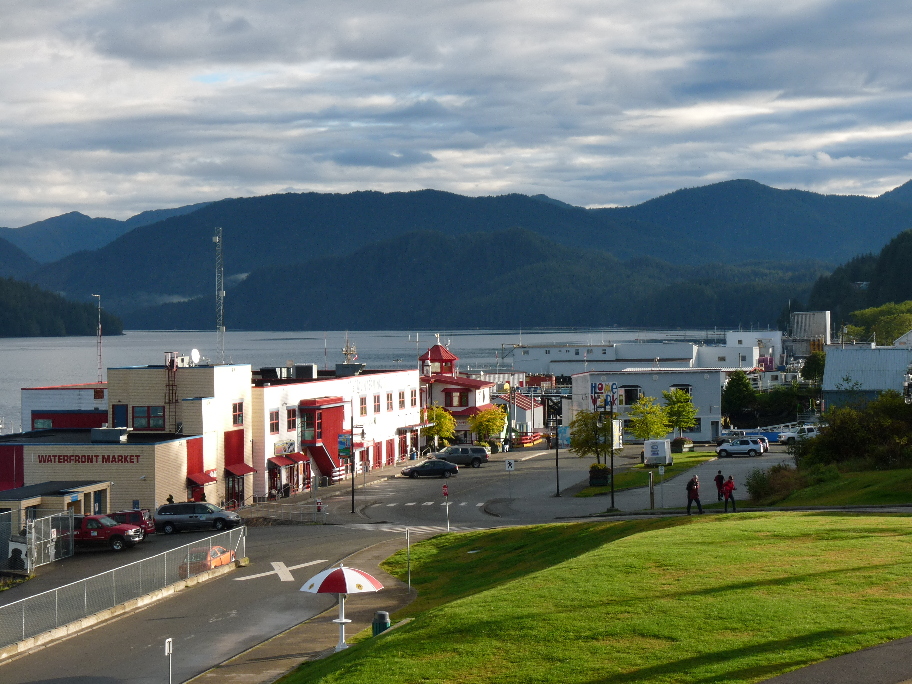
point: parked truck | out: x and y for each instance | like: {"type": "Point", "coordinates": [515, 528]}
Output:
{"type": "Point", "coordinates": [100, 529]}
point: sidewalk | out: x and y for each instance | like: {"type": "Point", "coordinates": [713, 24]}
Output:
{"type": "Point", "coordinates": [317, 637]}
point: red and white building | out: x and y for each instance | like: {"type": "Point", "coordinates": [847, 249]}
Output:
{"type": "Point", "coordinates": [462, 397]}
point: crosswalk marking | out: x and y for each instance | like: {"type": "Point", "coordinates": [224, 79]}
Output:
{"type": "Point", "coordinates": [428, 503]}
{"type": "Point", "coordinates": [414, 529]}
{"type": "Point", "coordinates": [392, 504]}
{"type": "Point", "coordinates": [411, 503]}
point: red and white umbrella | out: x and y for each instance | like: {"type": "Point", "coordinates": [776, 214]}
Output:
{"type": "Point", "coordinates": [341, 581]}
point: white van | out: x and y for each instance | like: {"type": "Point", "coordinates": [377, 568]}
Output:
{"type": "Point", "coordinates": [657, 452]}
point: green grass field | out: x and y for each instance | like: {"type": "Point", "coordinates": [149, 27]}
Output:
{"type": "Point", "coordinates": [707, 599]}
{"type": "Point", "coordinates": [638, 475]}
{"type": "Point", "coordinates": [871, 488]}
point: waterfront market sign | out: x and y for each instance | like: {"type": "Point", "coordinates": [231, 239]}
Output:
{"type": "Point", "coordinates": [89, 458]}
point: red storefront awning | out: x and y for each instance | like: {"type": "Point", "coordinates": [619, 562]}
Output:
{"type": "Point", "coordinates": [201, 479]}
{"type": "Point", "coordinates": [240, 469]}
{"type": "Point", "coordinates": [298, 457]}
{"type": "Point", "coordinates": [281, 461]}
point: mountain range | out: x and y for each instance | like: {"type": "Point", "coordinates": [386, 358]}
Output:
{"type": "Point", "coordinates": [725, 254]}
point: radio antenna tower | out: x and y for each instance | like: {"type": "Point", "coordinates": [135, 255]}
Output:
{"type": "Point", "coordinates": [219, 294]}
{"type": "Point", "coordinates": [98, 342]}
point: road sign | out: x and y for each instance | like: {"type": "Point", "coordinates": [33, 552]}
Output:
{"type": "Point", "coordinates": [661, 470]}
{"type": "Point", "coordinates": [446, 491]}
{"type": "Point", "coordinates": [511, 464]}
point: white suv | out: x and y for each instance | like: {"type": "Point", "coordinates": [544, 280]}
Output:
{"type": "Point", "coordinates": [749, 446]}
{"type": "Point", "coordinates": [804, 432]}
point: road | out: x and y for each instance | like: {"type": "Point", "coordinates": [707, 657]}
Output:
{"type": "Point", "coordinates": [220, 618]}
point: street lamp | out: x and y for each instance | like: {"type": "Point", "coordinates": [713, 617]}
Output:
{"type": "Point", "coordinates": [601, 422]}
{"type": "Point", "coordinates": [553, 423]}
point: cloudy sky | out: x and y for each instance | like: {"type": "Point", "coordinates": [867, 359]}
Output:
{"type": "Point", "coordinates": [112, 108]}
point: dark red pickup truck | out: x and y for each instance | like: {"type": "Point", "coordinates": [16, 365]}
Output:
{"type": "Point", "coordinates": [100, 529]}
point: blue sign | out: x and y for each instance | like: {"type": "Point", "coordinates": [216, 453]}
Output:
{"type": "Point", "coordinates": [345, 446]}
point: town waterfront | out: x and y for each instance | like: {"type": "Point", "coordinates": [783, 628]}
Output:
{"type": "Point", "coordinates": [45, 361]}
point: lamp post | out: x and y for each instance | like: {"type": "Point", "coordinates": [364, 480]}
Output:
{"type": "Point", "coordinates": [552, 423]}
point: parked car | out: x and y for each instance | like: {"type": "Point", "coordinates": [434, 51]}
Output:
{"type": "Point", "coordinates": [101, 529]}
{"type": "Point", "coordinates": [433, 467]}
{"type": "Point", "coordinates": [764, 442]}
{"type": "Point", "coordinates": [804, 432]}
{"type": "Point", "coordinates": [205, 558]}
{"type": "Point", "coordinates": [462, 454]}
{"type": "Point", "coordinates": [141, 517]}
{"type": "Point", "coordinates": [749, 446]}
{"type": "Point", "coordinates": [171, 518]}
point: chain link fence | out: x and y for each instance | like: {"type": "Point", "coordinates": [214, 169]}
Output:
{"type": "Point", "coordinates": [289, 512]}
{"type": "Point", "coordinates": [32, 616]}
{"type": "Point", "coordinates": [39, 542]}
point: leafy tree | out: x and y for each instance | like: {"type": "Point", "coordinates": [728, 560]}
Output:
{"type": "Point", "coordinates": [444, 425]}
{"type": "Point", "coordinates": [488, 422]}
{"type": "Point", "coordinates": [679, 410]}
{"type": "Point", "coordinates": [648, 420]}
{"type": "Point", "coordinates": [886, 322]}
{"type": "Point", "coordinates": [586, 438]}
{"type": "Point", "coordinates": [814, 366]}
{"type": "Point", "coordinates": [738, 395]}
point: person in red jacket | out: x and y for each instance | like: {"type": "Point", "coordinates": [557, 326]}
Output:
{"type": "Point", "coordinates": [728, 489]}
{"type": "Point", "coordinates": [693, 493]}
{"type": "Point", "coordinates": [720, 482]}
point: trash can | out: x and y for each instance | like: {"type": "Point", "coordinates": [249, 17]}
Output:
{"type": "Point", "coordinates": [324, 481]}
{"type": "Point", "coordinates": [381, 622]}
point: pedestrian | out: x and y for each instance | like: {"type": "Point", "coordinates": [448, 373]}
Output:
{"type": "Point", "coordinates": [693, 494]}
{"type": "Point", "coordinates": [728, 488]}
{"type": "Point", "coordinates": [720, 481]}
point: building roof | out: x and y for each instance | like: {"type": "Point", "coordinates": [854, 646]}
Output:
{"type": "Point", "coordinates": [471, 411]}
{"type": "Point", "coordinates": [82, 386]}
{"type": "Point", "coordinates": [456, 380]}
{"type": "Point", "coordinates": [437, 354]}
{"type": "Point", "coordinates": [50, 488]}
{"type": "Point", "coordinates": [84, 436]}
{"type": "Point", "coordinates": [862, 368]}
{"type": "Point", "coordinates": [526, 403]}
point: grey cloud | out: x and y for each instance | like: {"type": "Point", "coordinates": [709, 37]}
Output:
{"type": "Point", "coordinates": [380, 159]}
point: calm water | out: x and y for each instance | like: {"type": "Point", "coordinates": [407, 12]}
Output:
{"type": "Point", "coordinates": [42, 361]}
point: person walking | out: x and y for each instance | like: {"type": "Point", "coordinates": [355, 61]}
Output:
{"type": "Point", "coordinates": [720, 481]}
{"type": "Point", "coordinates": [693, 494]}
{"type": "Point", "coordinates": [728, 489]}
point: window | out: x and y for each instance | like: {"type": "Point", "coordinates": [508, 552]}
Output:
{"type": "Point", "coordinates": [273, 422]}
{"type": "Point", "coordinates": [576, 352]}
{"type": "Point", "coordinates": [389, 401]}
{"type": "Point", "coordinates": [629, 394]}
{"type": "Point", "coordinates": [697, 426]}
{"type": "Point", "coordinates": [319, 424]}
{"type": "Point", "coordinates": [307, 427]}
{"type": "Point", "coordinates": [687, 389]}
{"type": "Point", "coordinates": [401, 400]}
{"type": "Point", "coordinates": [414, 398]}
{"type": "Point", "coordinates": [604, 351]}
{"type": "Point", "coordinates": [291, 419]}
{"type": "Point", "coordinates": [525, 352]}
{"type": "Point", "coordinates": [376, 403]}
{"type": "Point", "coordinates": [237, 413]}
{"type": "Point", "coordinates": [149, 417]}
{"type": "Point", "coordinates": [721, 359]}
{"type": "Point", "coordinates": [547, 351]}
{"type": "Point", "coordinates": [456, 399]}
{"type": "Point", "coordinates": [362, 405]}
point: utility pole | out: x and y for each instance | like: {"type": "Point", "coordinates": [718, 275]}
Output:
{"type": "Point", "coordinates": [219, 294]}
{"type": "Point", "coordinates": [98, 341]}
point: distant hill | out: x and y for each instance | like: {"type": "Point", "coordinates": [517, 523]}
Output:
{"type": "Point", "coordinates": [510, 278]}
{"type": "Point", "coordinates": [57, 237]}
{"type": "Point", "coordinates": [28, 311]}
{"type": "Point", "coordinates": [14, 263]}
{"type": "Point", "coordinates": [867, 280]}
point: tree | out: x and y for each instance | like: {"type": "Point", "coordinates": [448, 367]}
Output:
{"type": "Point", "coordinates": [679, 410]}
{"type": "Point", "coordinates": [738, 395]}
{"type": "Point", "coordinates": [812, 369]}
{"type": "Point", "coordinates": [488, 422]}
{"type": "Point", "coordinates": [443, 424]}
{"type": "Point", "coordinates": [586, 438]}
{"type": "Point", "coordinates": [648, 420]}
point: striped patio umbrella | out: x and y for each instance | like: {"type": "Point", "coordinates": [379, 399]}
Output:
{"type": "Point", "coordinates": [341, 581]}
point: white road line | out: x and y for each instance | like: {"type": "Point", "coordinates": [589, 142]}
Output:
{"type": "Point", "coordinates": [463, 503]}
{"type": "Point", "coordinates": [410, 503]}
{"type": "Point", "coordinates": [480, 504]}
{"type": "Point", "coordinates": [389, 505]}
{"type": "Point", "coordinates": [276, 571]}
{"type": "Point", "coordinates": [428, 503]}
{"type": "Point", "coordinates": [283, 572]}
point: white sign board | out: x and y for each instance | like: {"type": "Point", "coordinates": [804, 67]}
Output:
{"type": "Point", "coordinates": [511, 464]}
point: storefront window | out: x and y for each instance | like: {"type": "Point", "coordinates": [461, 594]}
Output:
{"type": "Point", "coordinates": [149, 417]}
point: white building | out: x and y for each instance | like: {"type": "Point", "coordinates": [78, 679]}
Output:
{"type": "Point", "coordinates": [704, 385]}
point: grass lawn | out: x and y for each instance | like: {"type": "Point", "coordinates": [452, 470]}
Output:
{"type": "Point", "coordinates": [638, 475]}
{"type": "Point", "coordinates": [874, 487]}
{"type": "Point", "coordinates": [704, 599]}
